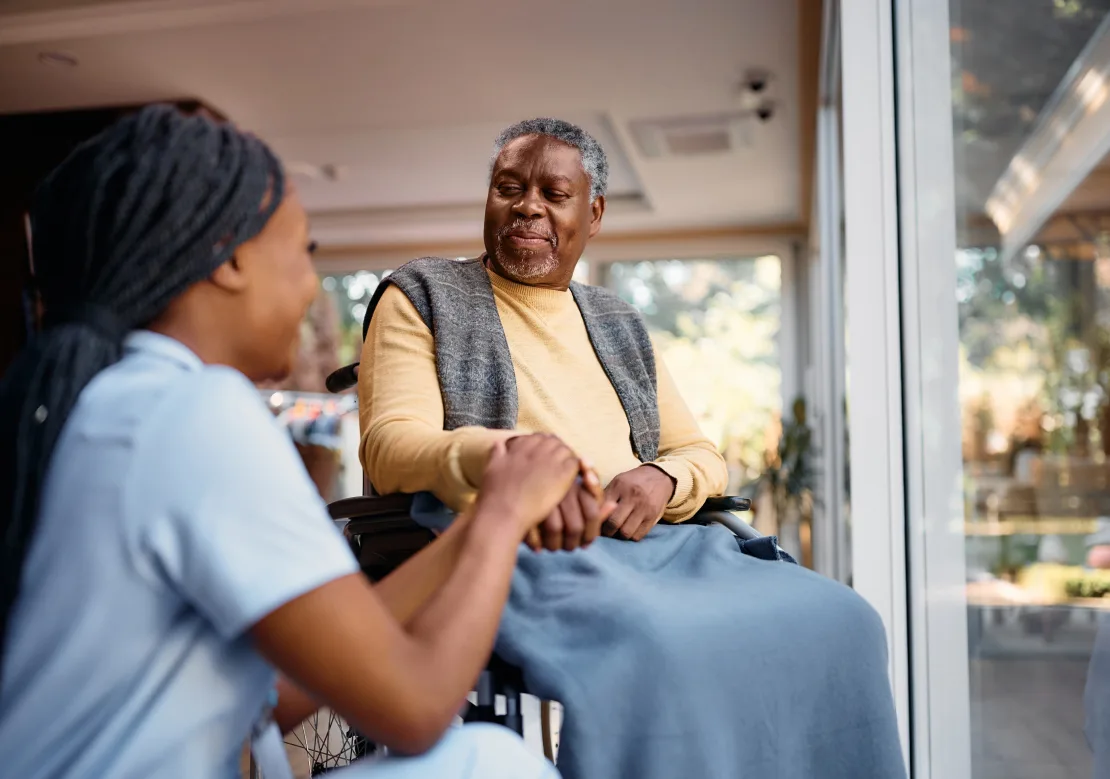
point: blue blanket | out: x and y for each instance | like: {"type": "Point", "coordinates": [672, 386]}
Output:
{"type": "Point", "coordinates": [680, 657]}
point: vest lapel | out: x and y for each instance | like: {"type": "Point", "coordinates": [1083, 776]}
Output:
{"type": "Point", "coordinates": [624, 350]}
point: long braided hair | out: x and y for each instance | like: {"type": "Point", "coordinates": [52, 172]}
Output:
{"type": "Point", "coordinates": [127, 223]}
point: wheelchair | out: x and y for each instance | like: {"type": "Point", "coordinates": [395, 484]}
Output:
{"type": "Point", "coordinates": [383, 534]}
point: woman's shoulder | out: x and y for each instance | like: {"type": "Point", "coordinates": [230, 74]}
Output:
{"type": "Point", "coordinates": [216, 387]}
{"type": "Point", "coordinates": [206, 422]}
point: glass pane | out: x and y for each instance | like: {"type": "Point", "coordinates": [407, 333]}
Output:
{"type": "Point", "coordinates": [352, 293]}
{"type": "Point", "coordinates": [1033, 289]}
{"type": "Point", "coordinates": [827, 370]}
{"type": "Point", "coordinates": [715, 323]}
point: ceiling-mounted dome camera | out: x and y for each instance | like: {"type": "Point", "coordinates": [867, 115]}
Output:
{"type": "Point", "coordinates": [756, 80]}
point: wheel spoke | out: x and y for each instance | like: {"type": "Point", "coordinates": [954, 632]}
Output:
{"type": "Point", "coordinates": [327, 741]}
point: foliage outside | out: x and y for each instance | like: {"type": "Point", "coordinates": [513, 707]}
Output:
{"type": "Point", "coordinates": [715, 325]}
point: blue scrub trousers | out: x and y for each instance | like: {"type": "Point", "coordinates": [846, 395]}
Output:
{"type": "Point", "coordinates": [478, 751]}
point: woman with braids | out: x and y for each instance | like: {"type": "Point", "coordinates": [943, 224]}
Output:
{"type": "Point", "coordinates": [166, 560]}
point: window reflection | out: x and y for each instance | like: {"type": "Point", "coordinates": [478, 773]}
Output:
{"type": "Point", "coordinates": [1033, 292]}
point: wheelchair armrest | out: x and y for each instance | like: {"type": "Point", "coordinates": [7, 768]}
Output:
{"type": "Point", "coordinates": [720, 510]}
{"type": "Point", "coordinates": [342, 379]}
{"type": "Point", "coordinates": [726, 503]}
{"type": "Point", "coordinates": [370, 506]}
{"type": "Point", "coordinates": [739, 527]}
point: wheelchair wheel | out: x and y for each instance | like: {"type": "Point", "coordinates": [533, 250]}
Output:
{"type": "Point", "coordinates": [326, 743]}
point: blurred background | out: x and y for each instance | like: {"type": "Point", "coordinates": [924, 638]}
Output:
{"type": "Point", "coordinates": [873, 233]}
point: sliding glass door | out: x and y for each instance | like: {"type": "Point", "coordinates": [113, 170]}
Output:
{"type": "Point", "coordinates": [988, 135]}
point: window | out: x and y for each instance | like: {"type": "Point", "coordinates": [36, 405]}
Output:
{"type": "Point", "coordinates": [715, 324]}
{"type": "Point", "coordinates": [1032, 296]}
{"type": "Point", "coordinates": [352, 293]}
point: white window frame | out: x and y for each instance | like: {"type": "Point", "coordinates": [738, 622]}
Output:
{"type": "Point", "coordinates": [930, 332]}
{"type": "Point", "coordinates": [874, 352]}
{"type": "Point", "coordinates": [907, 499]}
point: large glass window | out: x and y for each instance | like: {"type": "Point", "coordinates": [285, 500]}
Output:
{"type": "Point", "coordinates": [1033, 294]}
{"type": "Point", "coordinates": [715, 323]}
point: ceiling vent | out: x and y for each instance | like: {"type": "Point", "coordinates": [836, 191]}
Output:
{"type": "Point", "coordinates": [690, 136]}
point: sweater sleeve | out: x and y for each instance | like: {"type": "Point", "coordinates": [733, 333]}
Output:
{"type": "Point", "coordinates": [404, 447]}
{"type": "Point", "coordinates": [685, 454]}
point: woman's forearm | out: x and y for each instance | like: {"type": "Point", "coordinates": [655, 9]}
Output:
{"type": "Point", "coordinates": [401, 681]}
{"type": "Point", "coordinates": [407, 589]}
{"type": "Point", "coordinates": [457, 626]}
{"type": "Point", "coordinates": [294, 705]}
{"type": "Point", "coordinates": [404, 592]}
{"type": "Point", "coordinates": [400, 685]}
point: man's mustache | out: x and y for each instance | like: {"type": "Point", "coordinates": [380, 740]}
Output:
{"type": "Point", "coordinates": [529, 227]}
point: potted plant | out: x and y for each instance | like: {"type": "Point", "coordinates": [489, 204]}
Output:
{"type": "Point", "coordinates": [789, 478]}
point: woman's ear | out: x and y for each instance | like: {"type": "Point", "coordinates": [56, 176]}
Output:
{"type": "Point", "coordinates": [229, 276]}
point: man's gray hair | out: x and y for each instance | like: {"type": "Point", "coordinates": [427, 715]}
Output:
{"type": "Point", "coordinates": [594, 161]}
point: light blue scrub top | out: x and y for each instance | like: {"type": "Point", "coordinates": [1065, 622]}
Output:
{"type": "Point", "coordinates": [176, 513]}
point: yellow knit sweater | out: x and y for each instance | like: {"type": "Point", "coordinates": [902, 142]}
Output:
{"type": "Point", "coordinates": [562, 389]}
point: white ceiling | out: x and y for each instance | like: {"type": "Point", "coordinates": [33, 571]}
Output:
{"type": "Point", "coordinates": [406, 97]}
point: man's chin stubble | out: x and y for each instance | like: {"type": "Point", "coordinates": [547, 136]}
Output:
{"type": "Point", "coordinates": [525, 268]}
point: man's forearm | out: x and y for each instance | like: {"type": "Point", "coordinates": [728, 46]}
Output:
{"type": "Point", "coordinates": [407, 456]}
{"type": "Point", "coordinates": [686, 454]}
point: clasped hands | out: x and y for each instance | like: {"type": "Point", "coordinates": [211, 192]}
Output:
{"type": "Point", "coordinates": [628, 508]}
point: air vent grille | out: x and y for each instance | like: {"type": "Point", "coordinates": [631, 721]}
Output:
{"type": "Point", "coordinates": [693, 135]}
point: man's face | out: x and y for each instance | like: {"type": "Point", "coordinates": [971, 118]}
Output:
{"type": "Point", "coordinates": [538, 212]}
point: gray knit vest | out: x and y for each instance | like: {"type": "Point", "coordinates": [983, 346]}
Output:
{"type": "Point", "coordinates": [473, 361]}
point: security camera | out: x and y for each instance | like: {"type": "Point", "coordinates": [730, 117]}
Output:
{"type": "Point", "coordinates": [756, 80]}
{"type": "Point", "coordinates": [765, 112]}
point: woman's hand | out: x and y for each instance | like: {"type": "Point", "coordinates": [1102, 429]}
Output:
{"type": "Point", "coordinates": [577, 520]}
{"type": "Point", "coordinates": [525, 479]}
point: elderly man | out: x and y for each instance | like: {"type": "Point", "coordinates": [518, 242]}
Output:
{"type": "Point", "coordinates": [546, 200]}
{"type": "Point", "coordinates": [675, 656]}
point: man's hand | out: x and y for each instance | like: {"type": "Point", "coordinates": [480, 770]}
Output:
{"type": "Point", "coordinates": [641, 496]}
